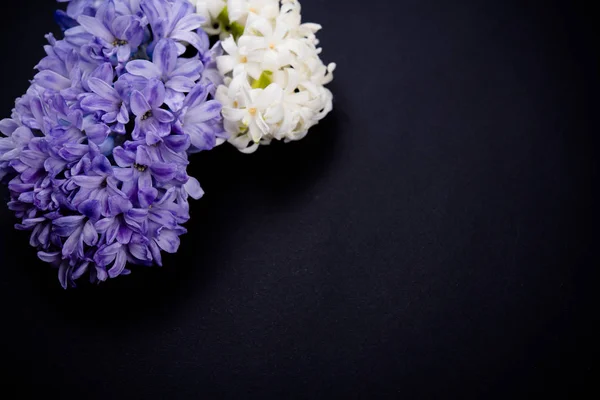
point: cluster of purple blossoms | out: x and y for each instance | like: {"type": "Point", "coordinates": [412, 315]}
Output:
{"type": "Point", "coordinates": [96, 151]}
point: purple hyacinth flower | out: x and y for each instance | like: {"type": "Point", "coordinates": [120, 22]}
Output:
{"type": "Point", "coordinates": [78, 229]}
{"type": "Point", "coordinates": [89, 206]}
{"type": "Point", "coordinates": [118, 34]}
{"type": "Point", "coordinates": [151, 122]}
{"type": "Point", "coordinates": [81, 7]}
{"type": "Point", "coordinates": [11, 146]}
{"type": "Point", "coordinates": [157, 228]}
{"type": "Point", "coordinates": [201, 119]}
{"type": "Point", "coordinates": [129, 7]}
{"type": "Point", "coordinates": [178, 75]}
{"type": "Point", "coordinates": [115, 254]}
{"type": "Point", "coordinates": [99, 183]}
{"type": "Point", "coordinates": [174, 19]}
{"type": "Point", "coordinates": [106, 99]}
{"type": "Point", "coordinates": [138, 173]}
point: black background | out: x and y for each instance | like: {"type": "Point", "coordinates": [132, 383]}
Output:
{"type": "Point", "coordinates": [432, 238]}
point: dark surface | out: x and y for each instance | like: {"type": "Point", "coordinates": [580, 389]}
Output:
{"type": "Point", "coordinates": [432, 238]}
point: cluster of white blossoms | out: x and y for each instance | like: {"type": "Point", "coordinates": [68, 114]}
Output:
{"type": "Point", "coordinates": [273, 77]}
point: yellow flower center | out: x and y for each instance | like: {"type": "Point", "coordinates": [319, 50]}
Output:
{"type": "Point", "coordinates": [252, 111]}
{"type": "Point", "coordinates": [235, 104]}
{"type": "Point", "coordinates": [271, 46]}
{"type": "Point", "coordinates": [243, 59]}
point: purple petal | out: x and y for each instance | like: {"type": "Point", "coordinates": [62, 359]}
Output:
{"type": "Point", "coordinates": [96, 28]}
{"type": "Point", "coordinates": [97, 133]}
{"type": "Point", "coordinates": [188, 37]}
{"type": "Point", "coordinates": [142, 156]}
{"type": "Point", "coordinates": [103, 90]}
{"type": "Point", "coordinates": [101, 166]}
{"type": "Point", "coordinates": [123, 116]}
{"type": "Point", "coordinates": [80, 270]}
{"type": "Point", "coordinates": [177, 143]}
{"type": "Point", "coordinates": [105, 72]}
{"type": "Point", "coordinates": [90, 208]}
{"type": "Point", "coordinates": [163, 116]}
{"type": "Point", "coordinates": [146, 196]}
{"type": "Point", "coordinates": [123, 53]}
{"type": "Point", "coordinates": [97, 103]}
{"type": "Point", "coordinates": [165, 56]}
{"type": "Point", "coordinates": [88, 182]}
{"type": "Point", "coordinates": [189, 69]}
{"type": "Point", "coordinates": [174, 99]}
{"type": "Point", "coordinates": [163, 172]}
{"type": "Point", "coordinates": [49, 257]}
{"type": "Point", "coordinates": [143, 68]}
{"type": "Point", "coordinates": [192, 187]}
{"type": "Point", "coordinates": [204, 112]}
{"type": "Point", "coordinates": [118, 205]}
{"type": "Point", "coordinates": [189, 23]}
{"type": "Point", "coordinates": [196, 96]}
{"type": "Point", "coordinates": [123, 174]}
{"type": "Point", "coordinates": [101, 273]}
{"type": "Point", "coordinates": [168, 240]}
{"type": "Point", "coordinates": [121, 25]}
{"type": "Point", "coordinates": [51, 80]}
{"type": "Point", "coordinates": [139, 105]}
{"type": "Point", "coordinates": [118, 266]}
{"type": "Point", "coordinates": [73, 243]}
{"type": "Point", "coordinates": [145, 180]}
{"type": "Point", "coordinates": [155, 253]}
{"type": "Point", "coordinates": [123, 158]}
{"type": "Point", "coordinates": [54, 166]}
{"type": "Point", "coordinates": [180, 84]}
{"type": "Point", "coordinates": [90, 236]}
{"type": "Point", "coordinates": [71, 221]}
{"type": "Point", "coordinates": [201, 137]}
{"type": "Point", "coordinates": [124, 234]}
{"type": "Point", "coordinates": [140, 251]}
{"type": "Point", "coordinates": [106, 254]}
{"type": "Point", "coordinates": [63, 274]}
{"type": "Point", "coordinates": [163, 218]}
{"type": "Point", "coordinates": [103, 224]}
{"type": "Point", "coordinates": [155, 93]}
{"type": "Point", "coordinates": [8, 126]}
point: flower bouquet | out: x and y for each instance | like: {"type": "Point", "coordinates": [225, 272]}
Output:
{"type": "Point", "coordinates": [95, 153]}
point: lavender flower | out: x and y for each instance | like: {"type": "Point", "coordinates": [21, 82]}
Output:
{"type": "Point", "coordinates": [95, 153]}
{"type": "Point", "coordinates": [178, 75]}
{"type": "Point", "coordinates": [175, 20]}
{"type": "Point", "coordinates": [117, 34]}
{"type": "Point", "coordinates": [151, 122]}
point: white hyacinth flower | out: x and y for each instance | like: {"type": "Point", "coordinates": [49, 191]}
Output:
{"type": "Point", "coordinates": [210, 11]}
{"type": "Point", "coordinates": [273, 77]}
{"type": "Point", "coordinates": [240, 9]}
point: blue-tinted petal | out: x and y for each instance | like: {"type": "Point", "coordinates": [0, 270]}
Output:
{"type": "Point", "coordinates": [123, 158]}
{"type": "Point", "coordinates": [163, 172]}
{"type": "Point", "coordinates": [165, 56]}
{"type": "Point", "coordinates": [192, 187]}
{"type": "Point", "coordinates": [168, 240]}
{"type": "Point", "coordinates": [119, 265]}
{"type": "Point", "coordinates": [51, 80]}
{"type": "Point", "coordinates": [96, 28]}
{"type": "Point", "coordinates": [139, 105]}
{"type": "Point", "coordinates": [90, 236]}
{"type": "Point", "coordinates": [104, 90]}
{"type": "Point", "coordinates": [89, 182]}
{"type": "Point", "coordinates": [90, 208]}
